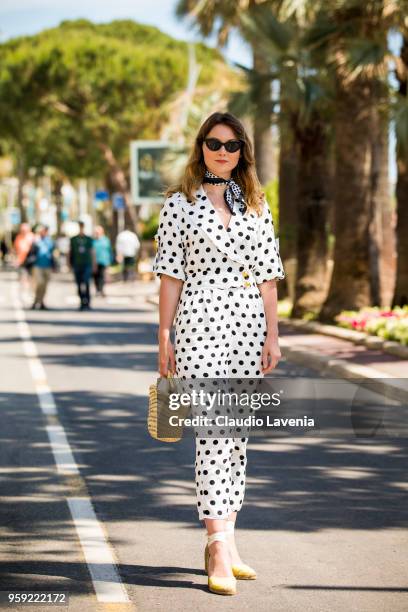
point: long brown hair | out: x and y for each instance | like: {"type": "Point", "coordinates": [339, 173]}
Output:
{"type": "Point", "coordinates": [244, 172]}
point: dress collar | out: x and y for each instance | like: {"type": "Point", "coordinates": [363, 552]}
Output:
{"type": "Point", "coordinates": [202, 214]}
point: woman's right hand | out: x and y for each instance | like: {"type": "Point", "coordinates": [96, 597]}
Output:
{"type": "Point", "coordinates": [166, 355]}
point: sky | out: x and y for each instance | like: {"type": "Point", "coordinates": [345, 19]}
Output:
{"type": "Point", "coordinates": [19, 17]}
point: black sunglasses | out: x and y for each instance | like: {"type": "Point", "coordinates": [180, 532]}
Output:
{"type": "Point", "coordinates": [232, 146]}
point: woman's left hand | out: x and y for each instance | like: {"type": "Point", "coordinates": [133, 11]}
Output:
{"type": "Point", "coordinates": [270, 354]}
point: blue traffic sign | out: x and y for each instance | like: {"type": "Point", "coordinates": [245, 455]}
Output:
{"type": "Point", "coordinates": [101, 195]}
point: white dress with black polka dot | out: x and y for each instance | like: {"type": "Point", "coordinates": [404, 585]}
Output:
{"type": "Point", "coordinates": [220, 323]}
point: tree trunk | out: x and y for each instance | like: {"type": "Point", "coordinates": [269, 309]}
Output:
{"type": "Point", "coordinates": [288, 178]}
{"type": "Point", "coordinates": [263, 138]}
{"type": "Point", "coordinates": [350, 286]}
{"type": "Point", "coordinates": [58, 203]}
{"type": "Point", "coordinates": [288, 214]}
{"type": "Point", "coordinates": [401, 285]}
{"type": "Point", "coordinates": [21, 177]}
{"type": "Point", "coordinates": [313, 205]}
{"type": "Point", "coordinates": [118, 180]}
{"type": "Point", "coordinates": [114, 218]}
{"type": "Point", "coordinates": [382, 231]}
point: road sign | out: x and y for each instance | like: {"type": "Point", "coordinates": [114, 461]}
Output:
{"type": "Point", "coordinates": [101, 195]}
{"type": "Point", "coordinates": [150, 169]}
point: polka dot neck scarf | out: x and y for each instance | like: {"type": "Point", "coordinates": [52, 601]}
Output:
{"type": "Point", "coordinates": [232, 194]}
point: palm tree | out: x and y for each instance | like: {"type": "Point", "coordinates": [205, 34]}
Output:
{"type": "Point", "coordinates": [353, 37]}
{"type": "Point", "coordinates": [304, 136]}
{"type": "Point", "coordinates": [222, 17]}
{"type": "Point", "coordinates": [350, 38]}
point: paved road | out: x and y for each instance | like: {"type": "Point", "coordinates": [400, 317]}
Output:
{"type": "Point", "coordinates": [325, 520]}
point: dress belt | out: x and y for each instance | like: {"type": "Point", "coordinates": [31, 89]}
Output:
{"type": "Point", "coordinates": [246, 283]}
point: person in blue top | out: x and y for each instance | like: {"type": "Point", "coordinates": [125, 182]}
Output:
{"type": "Point", "coordinates": [104, 257]}
{"type": "Point", "coordinates": [43, 265]}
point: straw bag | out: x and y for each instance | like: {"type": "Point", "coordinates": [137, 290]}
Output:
{"type": "Point", "coordinates": [159, 411]}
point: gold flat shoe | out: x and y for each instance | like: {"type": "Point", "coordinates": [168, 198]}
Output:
{"type": "Point", "coordinates": [221, 585]}
{"type": "Point", "coordinates": [242, 571]}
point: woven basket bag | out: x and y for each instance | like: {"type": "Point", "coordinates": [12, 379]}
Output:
{"type": "Point", "coordinates": [159, 411]}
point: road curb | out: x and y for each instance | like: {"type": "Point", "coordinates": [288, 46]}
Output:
{"type": "Point", "coordinates": [390, 386]}
{"type": "Point", "coordinates": [372, 342]}
{"type": "Point", "coordinates": [376, 380]}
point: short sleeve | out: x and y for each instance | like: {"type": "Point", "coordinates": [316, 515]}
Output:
{"type": "Point", "coordinates": [268, 264]}
{"type": "Point", "coordinates": [170, 256]}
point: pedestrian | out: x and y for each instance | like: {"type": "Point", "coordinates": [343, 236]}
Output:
{"type": "Point", "coordinates": [218, 262]}
{"type": "Point", "coordinates": [103, 257]}
{"type": "Point", "coordinates": [127, 246]}
{"type": "Point", "coordinates": [3, 251]}
{"type": "Point", "coordinates": [24, 250]}
{"type": "Point", "coordinates": [25, 254]}
{"type": "Point", "coordinates": [43, 265]}
{"type": "Point", "coordinates": [82, 262]}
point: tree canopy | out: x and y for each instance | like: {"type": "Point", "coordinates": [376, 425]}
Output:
{"type": "Point", "coordinates": [70, 92]}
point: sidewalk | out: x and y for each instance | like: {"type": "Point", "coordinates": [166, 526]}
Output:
{"type": "Point", "coordinates": [338, 357]}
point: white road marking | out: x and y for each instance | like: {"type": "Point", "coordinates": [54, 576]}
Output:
{"type": "Point", "coordinates": [101, 564]}
{"type": "Point", "coordinates": [46, 399]}
{"type": "Point", "coordinates": [98, 554]}
{"type": "Point", "coordinates": [37, 370]}
{"type": "Point", "coordinates": [61, 450]}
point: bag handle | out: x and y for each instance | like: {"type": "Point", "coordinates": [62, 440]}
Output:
{"type": "Point", "coordinates": [172, 382]}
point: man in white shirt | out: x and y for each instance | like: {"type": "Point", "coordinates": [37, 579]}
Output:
{"type": "Point", "coordinates": [127, 246]}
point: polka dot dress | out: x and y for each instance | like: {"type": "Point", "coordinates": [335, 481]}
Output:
{"type": "Point", "coordinates": [220, 323]}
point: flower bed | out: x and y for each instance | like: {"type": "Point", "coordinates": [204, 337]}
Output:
{"type": "Point", "coordinates": [385, 323]}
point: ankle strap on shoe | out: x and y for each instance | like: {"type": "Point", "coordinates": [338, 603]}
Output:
{"type": "Point", "coordinates": [230, 526]}
{"type": "Point", "coordinates": [218, 536]}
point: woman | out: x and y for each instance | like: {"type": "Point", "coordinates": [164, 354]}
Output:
{"type": "Point", "coordinates": [218, 263]}
{"type": "Point", "coordinates": [103, 256]}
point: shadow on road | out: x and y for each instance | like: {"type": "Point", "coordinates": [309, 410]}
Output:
{"type": "Point", "coordinates": [305, 485]}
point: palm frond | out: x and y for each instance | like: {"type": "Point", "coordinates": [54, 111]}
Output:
{"type": "Point", "coordinates": [241, 103]}
{"type": "Point", "coordinates": [321, 33]}
{"type": "Point", "coordinates": [364, 52]}
{"type": "Point", "coordinates": [254, 76]}
{"type": "Point", "coordinates": [261, 26]}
